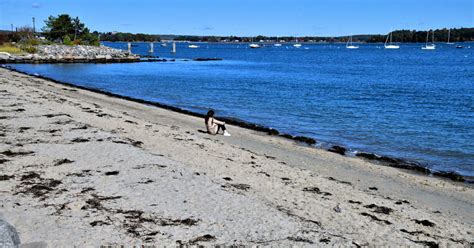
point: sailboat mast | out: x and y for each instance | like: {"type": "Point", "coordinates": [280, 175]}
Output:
{"type": "Point", "coordinates": [427, 35]}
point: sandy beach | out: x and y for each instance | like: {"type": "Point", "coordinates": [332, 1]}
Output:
{"type": "Point", "coordinates": [81, 168]}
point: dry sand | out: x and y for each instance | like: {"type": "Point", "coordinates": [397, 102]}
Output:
{"type": "Point", "coordinates": [80, 168]}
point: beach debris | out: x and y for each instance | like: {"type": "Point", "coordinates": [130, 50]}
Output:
{"type": "Point", "coordinates": [424, 223]}
{"type": "Point", "coordinates": [400, 202]}
{"type": "Point", "coordinates": [373, 188]}
{"type": "Point", "coordinates": [239, 186]}
{"type": "Point", "coordinates": [83, 173]}
{"type": "Point", "coordinates": [98, 223]}
{"type": "Point", "coordinates": [227, 178]}
{"type": "Point", "coordinates": [147, 181]}
{"type": "Point", "coordinates": [379, 209]}
{"type": "Point", "coordinates": [111, 173]}
{"type": "Point", "coordinates": [30, 175]}
{"type": "Point", "coordinates": [300, 239]}
{"type": "Point", "coordinates": [339, 181]}
{"type": "Point", "coordinates": [85, 190]}
{"type": "Point", "coordinates": [354, 202]}
{"type": "Point", "coordinates": [325, 240]}
{"type": "Point", "coordinates": [289, 213]}
{"type": "Point", "coordinates": [56, 115]}
{"type": "Point", "coordinates": [373, 217]}
{"type": "Point", "coordinates": [337, 209]}
{"type": "Point", "coordinates": [6, 177]}
{"type": "Point", "coordinates": [10, 153]}
{"type": "Point", "coordinates": [96, 201]}
{"type": "Point", "coordinates": [412, 232]}
{"type": "Point", "coordinates": [132, 122]}
{"type": "Point", "coordinates": [430, 244]}
{"type": "Point", "coordinates": [264, 173]}
{"type": "Point", "coordinates": [2, 160]}
{"type": "Point", "coordinates": [316, 190]}
{"type": "Point", "coordinates": [23, 129]}
{"type": "Point", "coordinates": [83, 127]}
{"type": "Point", "coordinates": [41, 188]}
{"type": "Point", "coordinates": [203, 238]}
{"type": "Point", "coordinates": [80, 140]}
{"type": "Point", "coordinates": [62, 161]}
{"type": "Point", "coordinates": [338, 149]}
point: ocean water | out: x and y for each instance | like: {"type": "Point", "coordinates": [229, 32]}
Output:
{"type": "Point", "coordinates": [407, 103]}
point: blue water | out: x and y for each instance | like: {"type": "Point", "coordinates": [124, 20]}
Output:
{"type": "Point", "coordinates": [407, 103]}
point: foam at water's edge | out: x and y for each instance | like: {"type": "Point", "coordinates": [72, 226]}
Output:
{"type": "Point", "coordinates": [382, 160]}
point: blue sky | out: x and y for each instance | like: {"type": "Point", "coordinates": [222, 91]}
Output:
{"type": "Point", "coordinates": [246, 17]}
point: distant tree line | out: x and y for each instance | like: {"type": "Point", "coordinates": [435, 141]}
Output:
{"type": "Point", "coordinates": [119, 36]}
{"type": "Point", "coordinates": [457, 35]}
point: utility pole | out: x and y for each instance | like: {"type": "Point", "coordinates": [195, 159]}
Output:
{"type": "Point", "coordinates": [34, 28]}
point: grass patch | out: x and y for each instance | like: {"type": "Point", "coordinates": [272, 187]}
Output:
{"type": "Point", "coordinates": [9, 48]}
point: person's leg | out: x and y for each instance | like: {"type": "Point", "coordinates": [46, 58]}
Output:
{"type": "Point", "coordinates": [220, 127]}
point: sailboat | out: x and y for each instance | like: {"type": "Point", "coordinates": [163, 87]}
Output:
{"type": "Point", "coordinates": [390, 45]}
{"type": "Point", "coordinates": [449, 36]}
{"type": "Point", "coordinates": [173, 49]}
{"type": "Point", "coordinates": [277, 44]}
{"type": "Point", "coordinates": [349, 44]}
{"type": "Point", "coordinates": [297, 45]}
{"type": "Point", "coordinates": [431, 46]}
{"type": "Point", "coordinates": [254, 45]}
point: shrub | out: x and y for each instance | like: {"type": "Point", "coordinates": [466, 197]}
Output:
{"type": "Point", "coordinates": [67, 40]}
{"type": "Point", "coordinates": [28, 48]}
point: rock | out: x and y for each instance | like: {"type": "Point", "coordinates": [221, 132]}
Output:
{"type": "Point", "coordinates": [108, 57]}
{"type": "Point", "coordinates": [4, 55]}
{"type": "Point", "coordinates": [338, 149]}
{"type": "Point", "coordinates": [451, 175]}
{"type": "Point", "coordinates": [8, 235]}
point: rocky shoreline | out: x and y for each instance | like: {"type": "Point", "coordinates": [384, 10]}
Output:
{"type": "Point", "coordinates": [375, 158]}
{"type": "Point", "coordinates": [70, 54]}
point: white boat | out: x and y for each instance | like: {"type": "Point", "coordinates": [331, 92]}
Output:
{"type": "Point", "coordinates": [277, 44]}
{"type": "Point", "coordinates": [254, 45]}
{"type": "Point", "coordinates": [388, 42]}
{"type": "Point", "coordinates": [349, 44]}
{"type": "Point", "coordinates": [449, 36]}
{"type": "Point", "coordinates": [297, 45]}
{"type": "Point", "coordinates": [164, 44]}
{"type": "Point", "coordinates": [431, 46]}
{"type": "Point", "coordinates": [193, 46]}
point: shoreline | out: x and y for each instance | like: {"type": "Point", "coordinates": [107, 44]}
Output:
{"type": "Point", "coordinates": [400, 163]}
{"type": "Point", "coordinates": [87, 169]}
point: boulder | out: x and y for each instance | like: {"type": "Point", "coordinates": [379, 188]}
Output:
{"type": "Point", "coordinates": [4, 55]}
{"type": "Point", "coordinates": [8, 235]}
{"type": "Point", "coordinates": [338, 149]}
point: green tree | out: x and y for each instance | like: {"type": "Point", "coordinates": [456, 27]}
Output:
{"type": "Point", "coordinates": [58, 27]}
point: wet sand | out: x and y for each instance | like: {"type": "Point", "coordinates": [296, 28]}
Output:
{"type": "Point", "coordinates": [78, 167]}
